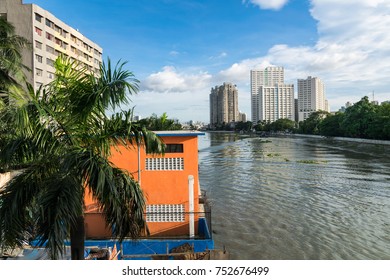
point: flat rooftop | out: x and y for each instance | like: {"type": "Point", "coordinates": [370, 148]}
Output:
{"type": "Point", "coordinates": [179, 133]}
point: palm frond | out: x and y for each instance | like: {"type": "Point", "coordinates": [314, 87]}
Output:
{"type": "Point", "coordinates": [59, 207]}
{"type": "Point", "coordinates": [115, 85]}
{"type": "Point", "coordinates": [16, 198]}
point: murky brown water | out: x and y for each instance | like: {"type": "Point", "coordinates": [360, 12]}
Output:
{"type": "Point", "coordinates": [297, 198]}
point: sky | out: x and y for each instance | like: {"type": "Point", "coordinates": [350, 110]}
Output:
{"type": "Point", "coordinates": [179, 50]}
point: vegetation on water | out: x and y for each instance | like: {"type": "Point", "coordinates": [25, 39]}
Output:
{"type": "Point", "coordinates": [273, 155]}
{"type": "Point", "coordinates": [312, 161]}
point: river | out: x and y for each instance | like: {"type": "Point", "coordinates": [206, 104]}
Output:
{"type": "Point", "coordinates": [297, 198]}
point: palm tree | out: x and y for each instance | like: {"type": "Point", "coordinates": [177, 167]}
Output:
{"type": "Point", "coordinates": [64, 139]}
{"type": "Point", "coordinates": [11, 66]}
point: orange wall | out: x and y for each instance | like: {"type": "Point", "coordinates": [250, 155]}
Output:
{"type": "Point", "coordinates": [163, 187]}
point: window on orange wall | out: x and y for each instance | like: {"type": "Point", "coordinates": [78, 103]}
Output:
{"type": "Point", "coordinates": [174, 148]}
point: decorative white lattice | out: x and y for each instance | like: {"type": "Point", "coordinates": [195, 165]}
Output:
{"type": "Point", "coordinates": [161, 164]}
{"type": "Point", "coordinates": [165, 213]}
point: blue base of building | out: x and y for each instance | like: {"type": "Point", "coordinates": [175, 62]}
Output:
{"type": "Point", "coordinates": [142, 249]}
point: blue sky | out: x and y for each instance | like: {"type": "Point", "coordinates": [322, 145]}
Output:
{"type": "Point", "coordinates": [180, 49]}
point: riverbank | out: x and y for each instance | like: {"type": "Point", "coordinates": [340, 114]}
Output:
{"type": "Point", "coordinates": [348, 139]}
{"type": "Point", "coordinates": [358, 140]}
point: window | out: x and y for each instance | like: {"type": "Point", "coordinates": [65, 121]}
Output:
{"type": "Point", "coordinates": [49, 23]}
{"type": "Point", "coordinates": [174, 148]}
{"type": "Point", "coordinates": [38, 45]}
{"type": "Point", "coordinates": [38, 17]}
{"type": "Point", "coordinates": [58, 42]}
{"type": "Point", "coordinates": [164, 164]}
{"type": "Point", "coordinates": [50, 62]}
{"type": "Point", "coordinates": [50, 49]}
{"type": "Point", "coordinates": [38, 31]}
{"type": "Point", "coordinates": [50, 75]}
{"type": "Point", "coordinates": [165, 213]}
{"type": "Point", "coordinates": [49, 36]}
{"type": "Point", "coordinates": [38, 58]}
{"type": "Point", "coordinates": [38, 72]}
{"type": "Point", "coordinates": [57, 29]}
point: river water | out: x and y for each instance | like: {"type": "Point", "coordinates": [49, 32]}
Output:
{"type": "Point", "coordinates": [297, 198]}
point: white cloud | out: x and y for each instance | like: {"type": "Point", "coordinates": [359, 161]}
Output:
{"type": "Point", "coordinates": [184, 106]}
{"type": "Point", "coordinates": [170, 80]}
{"type": "Point", "coordinates": [351, 55]}
{"type": "Point", "coordinates": [268, 4]}
{"type": "Point", "coordinates": [174, 53]}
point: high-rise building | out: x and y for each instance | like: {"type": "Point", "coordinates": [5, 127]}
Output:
{"type": "Point", "coordinates": [311, 97]}
{"type": "Point", "coordinates": [242, 117]}
{"type": "Point", "coordinates": [224, 104]}
{"type": "Point", "coordinates": [271, 98]}
{"type": "Point", "coordinates": [50, 37]}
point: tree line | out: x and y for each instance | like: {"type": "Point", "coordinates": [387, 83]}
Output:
{"type": "Point", "coordinates": [362, 120]}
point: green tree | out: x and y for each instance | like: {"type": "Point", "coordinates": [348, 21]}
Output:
{"type": "Point", "coordinates": [160, 123]}
{"type": "Point", "coordinates": [11, 66]}
{"type": "Point", "coordinates": [331, 125]}
{"type": "Point", "coordinates": [260, 126]}
{"type": "Point", "coordinates": [282, 125]}
{"type": "Point", "coordinates": [380, 126]}
{"type": "Point", "coordinates": [243, 126]}
{"type": "Point", "coordinates": [312, 124]}
{"type": "Point", "coordinates": [63, 136]}
{"type": "Point", "coordinates": [358, 118]}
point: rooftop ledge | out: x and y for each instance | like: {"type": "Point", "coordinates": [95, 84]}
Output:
{"type": "Point", "coordinates": [179, 133]}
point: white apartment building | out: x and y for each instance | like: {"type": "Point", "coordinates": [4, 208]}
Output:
{"type": "Point", "coordinates": [271, 99]}
{"type": "Point", "coordinates": [50, 37]}
{"type": "Point", "coordinates": [311, 97]}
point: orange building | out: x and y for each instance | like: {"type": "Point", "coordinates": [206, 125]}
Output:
{"type": "Point", "coordinates": [170, 184]}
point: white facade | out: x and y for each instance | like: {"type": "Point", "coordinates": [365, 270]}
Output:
{"type": "Point", "coordinates": [271, 99]}
{"type": "Point", "coordinates": [311, 97]}
{"type": "Point", "coordinates": [276, 102]}
{"type": "Point", "coordinates": [50, 37]}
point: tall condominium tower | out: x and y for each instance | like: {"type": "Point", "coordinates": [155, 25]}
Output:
{"type": "Point", "coordinates": [224, 104]}
{"type": "Point", "coordinates": [311, 97]}
{"type": "Point", "coordinates": [271, 99]}
{"type": "Point", "coordinates": [50, 37]}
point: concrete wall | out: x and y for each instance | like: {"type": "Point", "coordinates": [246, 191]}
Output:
{"type": "Point", "coordinates": [358, 140]}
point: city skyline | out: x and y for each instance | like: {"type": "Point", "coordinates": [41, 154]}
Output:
{"type": "Point", "coordinates": [179, 50]}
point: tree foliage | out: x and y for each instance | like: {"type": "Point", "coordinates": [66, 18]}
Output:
{"type": "Point", "coordinates": [11, 66]}
{"type": "Point", "coordinates": [312, 124]}
{"type": "Point", "coordinates": [362, 120]}
{"type": "Point", "coordinates": [157, 123]}
{"type": "Point", "coordinates": [62, 140]}
{"type": "Point", "coordinates": [276, 126]}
